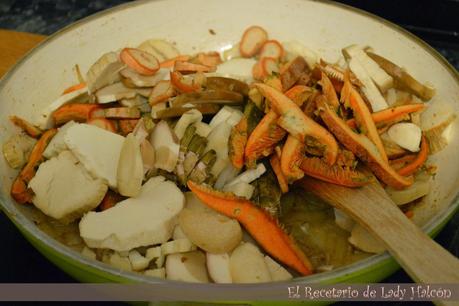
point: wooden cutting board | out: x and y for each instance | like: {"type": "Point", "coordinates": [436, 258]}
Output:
{"type": "Point", "coordinates": [14, 45]}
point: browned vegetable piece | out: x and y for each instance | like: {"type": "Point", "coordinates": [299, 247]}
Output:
{"type": "Point", "coordinates": [237, 142]}
{"type": "Point", "coordinates": [228, 84]}
{"type": "Point", "coordinates": [434, 135]}
{"type": "Point", "coordinates": [263, 139]}
{"type": "Point", "coordinates": [361, 146]}
{"type": "Point", "coordinates": [300, 126]}
{"type": "Point", "coordinates": [291, 157]}
{"type": "Point", "coordinates": [403, 79]}
{"type": "Point", "coordinates": [27, 127]}
{"type": "Point", "coordinates": [336, 174]}
{"type": "Point", "coordinates": [205, 109]}
{"type": "Point", "coordinates": [292, 71]}
{"type": "Point", "coordinates": [209, 97]}
{"type": "Point", "coordinates": [79, 112]}
{"type": "Point", "coordinates": [276, 166]}
{"type": "Point", "coordinates": [122, 113]}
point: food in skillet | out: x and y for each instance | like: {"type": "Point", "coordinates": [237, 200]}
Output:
{"type": "Point", "coordinates": [189, 167]}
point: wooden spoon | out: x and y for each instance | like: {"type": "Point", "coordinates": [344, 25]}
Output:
{"type": "Point", "coordinates": [370, 206]}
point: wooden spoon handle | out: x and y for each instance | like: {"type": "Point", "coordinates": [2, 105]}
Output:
{"type": "Point", "coordinates": [421, 257]}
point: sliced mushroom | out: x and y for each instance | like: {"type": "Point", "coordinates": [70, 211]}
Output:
{"type": "Point", "coordinates": [185, 120]}
{"type": "Point", "coordinates": [205, 109]}
{"type": "Point", "coordinates": [139, 80]}
{"type": "Point", "coordinates": [229, 84]}
{"type": "Point", "coordinates": [130, 167]}
{"type": "Point", "coordinates": [248, 265]}
{"type": "Point", "coordinates": [403, 79]}
{"type": "Point", "coordinates": [383, 80]}
{"type": "Point", "coordinates": [407, 135]}
{"type": "Point", "coordinates": [159, 48]}
{"type": "Point", "coordinates": [166, 147]}
{"type": "Point", "coordinates": [208, 97]}
{"type": "Point", "coordinates": [369, 89]}
{"type": "Point", "coordinates": [114, 92]}
{"type": "Point", "coordinates": [188, 267]}
{"type": "Point", "coordinates": [420, 188]}
{"type": "Point", "coordinates": [218, 266]}
{"type": "Point", "coordinates": [104, 71]}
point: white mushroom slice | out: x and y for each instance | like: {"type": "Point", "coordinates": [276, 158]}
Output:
{"type": "Point", "coordinates": [153, 253]}
{"type": "Point", "coordinates": [137, 101]}
{"type": "Point", "coordinates": [144, 92]}
{"type": "Point", "coordinates": [97, 149]}
{"type": "Point", "coordinates": [241, 189]}
{"type": "Point", "coordinates": [235, 117]}
{"type": "Point", "coordinates": [64, 189]}
{"type": "Point", "coordinates": [187, 267]}
{"type": "Point", "coordinates": [248, 265]}
{"type": "Point", "coordinates": [182, 245]}
{"type": "Point", "coordinates": [223, 115]}
{"type": "Point", "coordinates": [166, 147]}
{"type": "Point", "coordinates": [114, 92]}
{"type": "Point", "coordinates": [369, 89]}
{"type": "Point", "coordinates": [104, 72]}
{"type": "Point", "coordinates": [407, 135]}
{"type": "Point", "coordinates": [188, 118]}
{"type": "Point", "coordinates": [44, 119]}
{"type": "Point", "coordinates": [140, 80]}
{"type": "Point", "coordinates": [418, 189]}
{"type": "Point", "coordinates": [209, 230]}
{"type": "Point", "coordinates": [138, 262]}
{"type": "Point", "coordinates": [294, 48]}
{"type": "Point", "coordinates": [343, 220]}
{"type": "Point", "coordinates": [218, 266]}
{"type": "Point", "coordinates": [378, 75]}
{"type": "Point", "coordinates": [16, 150]}
{"type": "Point", "coordinates": [159, 48]}
{"type": "Point", "coordinates": [120, 262]}
{"type": "Point", "coordinates": [218, 141]}
{"type": "Point", "coordinates": [57, 144]}
{"type": "Point", "coordinates": [226, 175]}
{"type": "Point", "coordinates": [140, 131]}
{"type": "Point", "coordinates": [202, 129]}
{"type": "Point", "coordinates": [129, 173]}
{"type": "Point", "coordinates": [248, 176]}
{"type": "Point", "coordinates": [147, 219]}
{"type": "Point", "coordinates": [237, 68]}
{"type": "Point", "coordinates": [160, 273]}
{"type": "Point", "coordinates": [277, 272]}
{"type": "Point", "coordinates": [363, 240]}
{"type": "Point", "coordinates": [148, 155]}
